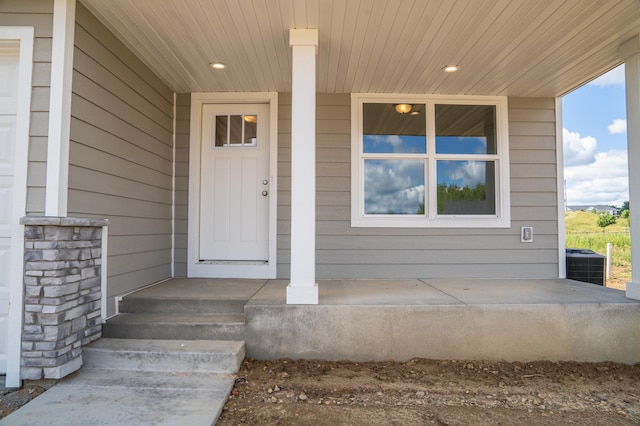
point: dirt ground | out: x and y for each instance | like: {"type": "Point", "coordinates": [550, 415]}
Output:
{"type": "Point", "coordinates": [423, 392]}
{"type": "Point", "coordinates": [420, 392]}
{"type": "Point", "coordinates": [11, 400]}
{"type": "Point", "coordinates": [619, 277]}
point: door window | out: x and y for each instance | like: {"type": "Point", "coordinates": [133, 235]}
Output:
{"type": "Point", "coordinates": [235, 130]}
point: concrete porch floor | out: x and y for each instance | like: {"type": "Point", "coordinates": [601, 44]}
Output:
{"type": "Point", "coordinates": [359, 320]}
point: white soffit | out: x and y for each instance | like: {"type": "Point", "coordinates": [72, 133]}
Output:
{"type": "Point", "coordinates": [503, 47]}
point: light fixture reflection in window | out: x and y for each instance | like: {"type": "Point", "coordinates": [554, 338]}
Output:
{"type": "Point", "coordinates": [217, 65]}
{"type": "Point", "coordinates": [403, 108]}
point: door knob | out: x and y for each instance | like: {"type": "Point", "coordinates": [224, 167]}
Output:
{"type": "Point", "coordinates": [265, 193]}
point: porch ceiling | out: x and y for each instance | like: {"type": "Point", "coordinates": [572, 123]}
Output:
{"type": "Point", "coordinates": [503, 47]}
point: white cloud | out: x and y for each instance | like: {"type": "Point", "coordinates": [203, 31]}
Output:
{"type": "Point", "coordinates": [394, 140]}
{"type": "Point", "coordinates": [578, 150]}
{"type": "Point", "coordinates": [606, 181]}
{"type": "Point", "coordinates": [612, 78]}
{"type": "Point", "coordinates": [393, 186]}
{"type": "Point", "coordinates": [470, 173]}
{"type": "Point", "coordinates": [619, 125]}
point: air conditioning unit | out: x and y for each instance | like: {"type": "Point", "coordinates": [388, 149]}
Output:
{"type": "Point", "coordinates": [585, 265]}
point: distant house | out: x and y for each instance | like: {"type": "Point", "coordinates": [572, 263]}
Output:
{"type": "Point", "coordinates": [600, 208]}
{"type": "Point", "coordinates": [297, 139]}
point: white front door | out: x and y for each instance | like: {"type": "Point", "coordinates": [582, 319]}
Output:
{"type": "Point", "coordinates": [8, 110]}
{"type": "Point", "coordinates": [234, 186]}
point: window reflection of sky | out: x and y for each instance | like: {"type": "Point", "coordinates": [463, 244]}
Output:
{"type": "Point", "coordinates": [393, 186]}
{"type": "Point", "coordinates": [397, 144]}
{"type": "Point", "coordinates": [461, 173]}
{"type": "Point", "coordinates": [462, 145]}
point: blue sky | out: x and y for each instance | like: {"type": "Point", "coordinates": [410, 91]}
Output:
{"type": "Point", "coordinates": [595, 142]}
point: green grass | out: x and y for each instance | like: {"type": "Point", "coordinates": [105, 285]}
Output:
{"type": "Point", "coordinates": [586, 222]}
{"type": "Point", "coordinates": [582, 231]}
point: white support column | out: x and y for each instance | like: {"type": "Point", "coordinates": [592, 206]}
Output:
{"type": "Point", "coordinates": [64, 16]}
{"type": "Point", "coordinates": [631, 54]}
{"type": "Point", "coordinates": [303, 289]}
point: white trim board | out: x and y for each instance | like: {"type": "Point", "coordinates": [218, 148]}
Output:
{"type": "Point", "coordinates": [64, 12]}
{"type": "Point", "coordinates": [173, 187]}
{"type": "Point", "coordinates": [562, 238]}
{"type": "Point", "coordinates": [227, 269]}
{"type": "Point", "coordinates": [103, 272]}
{"type": "Point", "coordinates": [25, 37]}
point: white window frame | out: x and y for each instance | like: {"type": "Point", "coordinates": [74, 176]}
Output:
{"type": "Point", "coordinates": [502, 218]}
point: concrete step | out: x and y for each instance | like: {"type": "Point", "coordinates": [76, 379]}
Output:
{"type": "Point", "coordinates": [125, 397]}
{"type": "Point", "coordinates": [181, 327]}
{"type": "Point", "coordinates": [141, 303]}
{"type": "Point", "coordinates": [102, 377]}
{"type": "Point", "coordinates": [169, 356]}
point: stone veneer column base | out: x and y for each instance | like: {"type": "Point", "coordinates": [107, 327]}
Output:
{"type": "Point", "coordinates": [62, 300]}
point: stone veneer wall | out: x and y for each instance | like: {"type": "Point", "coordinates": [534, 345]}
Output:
{"type": "Point", "coordinates": [62, 300]}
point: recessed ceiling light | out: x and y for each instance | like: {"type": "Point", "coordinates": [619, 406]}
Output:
{"type": "Point", "coordinates": [451, 68]}
{"type": "Point", "coordinates": [217, 65]}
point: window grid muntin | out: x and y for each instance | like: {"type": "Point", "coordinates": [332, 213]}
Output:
{"type": "Point", "coordinates": [431, 158]}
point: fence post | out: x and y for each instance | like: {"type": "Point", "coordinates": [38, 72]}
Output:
{"type": "Point", "coordinates": [608, 260]}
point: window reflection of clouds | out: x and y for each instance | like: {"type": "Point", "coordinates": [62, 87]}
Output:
{"type": "Point", "coordinates": [461, 145]}
{"type": "Point", "coordinates": [462, 173]}
{"type": "Point", "coordinates": [383, 144]}
{"type": "Point", "coordinates": [393, 186]}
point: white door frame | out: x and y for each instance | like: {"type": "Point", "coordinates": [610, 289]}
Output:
{"type": "Point", "coordinates": [24, 37]}
{"type": "Point", "coordinates": [195, 268]}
